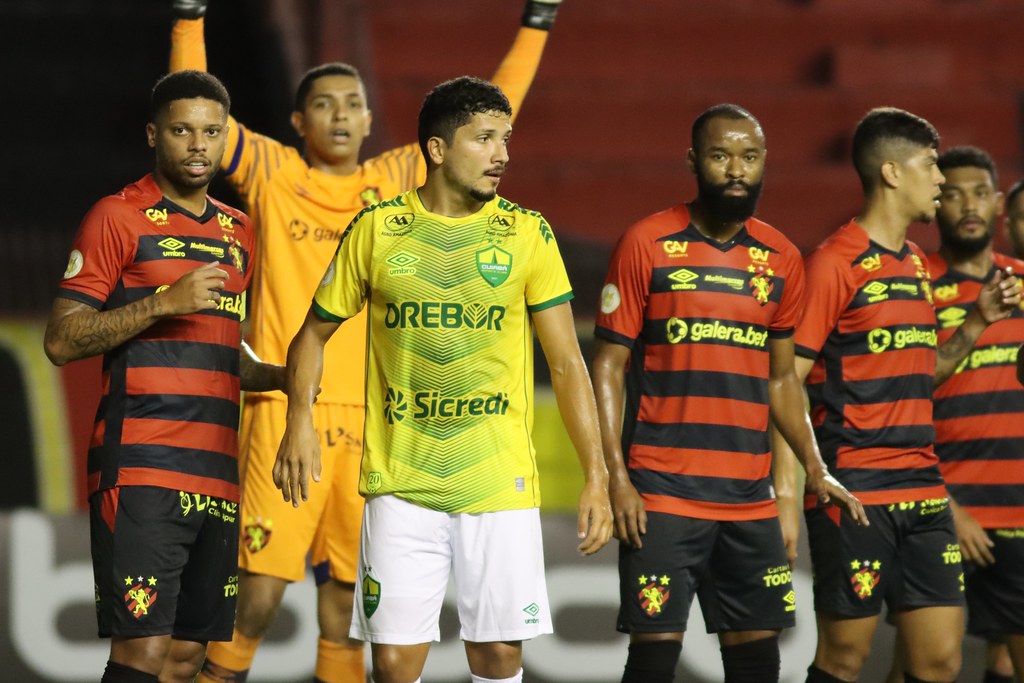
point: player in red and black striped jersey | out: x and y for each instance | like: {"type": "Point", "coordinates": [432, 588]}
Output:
{"type": "Point", "coordinates": [698, 311]}
{"type": "Point", "coordinates": [156, 283]}
{"type": "Point", "coordinates": [869, 332]}
{"type": "Point", "coordinates": [979, 411]}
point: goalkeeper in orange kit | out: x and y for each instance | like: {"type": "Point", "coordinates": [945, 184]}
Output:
{"type": "Point", "coordinates": [301, 200]}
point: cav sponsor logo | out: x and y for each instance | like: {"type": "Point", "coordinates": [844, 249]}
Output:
{"type": "Point", "coordinates": [610, 299]}
{"type": "Point", "coordinates": [444, 315]}
{"type": "Point", "coordinates": [947, 292]}
{"type": "Point", "coordinates": [880, 339]}
{"type": "Point", "coordinates": [876, 291]}
{"type": "Point", "coordinates": [865, 577]}
{"type": "Point", "coordinates": [173, 247]}
{"type": "Point", "coordinates": [871, 263]}
{"type": "Point", "coordinates": [683, 279]}
{"type": "Point", "coordinates": [158, 216]}
{"type": "Point", "coordinates": [678, 331]}
{"type": "Point", "coordinates": [674, 248]}
{"type": "Point", "coordinates": [654, 593]}
{"type": "Point", "coordinates": [952, 316]}
{"type": "Point", "coordinates": [402, 262]}
{"type": "Point", "coordinates": [256, 534]}
{"type": "Point", "coordinates": [75, 263]}
{"type": "Point", "coordinates": [398, 224]}
{"type": "Point", "coordinates": [225, 221]}
{"type": "Point", "coordinates": [494, 265]}
{"type": "Point", "coordinates": [140, 595]}
{"type": "Point", "coordinates": [758, 255]}
{"type": "Point", "coordinates": [395, 406]}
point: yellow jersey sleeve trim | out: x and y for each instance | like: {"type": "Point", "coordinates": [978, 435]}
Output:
{"type": "Point", "coordinates": [561, 299]}
{"type": "Point", "coordinates": [326, 315]}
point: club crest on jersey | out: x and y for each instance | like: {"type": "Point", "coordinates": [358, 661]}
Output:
{"type": "Point", "coordinates": [761, 286]}
{"type": "Point", "coordinates": [924, 276]}
{"type": "Point", "coordinates": [370, 195]}
{"type": "Point", "coordinates": [256, 534]}
{"type": "Point", "coordinates": [654, 593]}
{"type": "Point", "coordinates": [494, 265]}
{"type": "Point", "coordinates": [865, 578]}
{"type": "Point", "coordinates": [140, 596]}
{"type": "Point", "coordinates": [371, 594]}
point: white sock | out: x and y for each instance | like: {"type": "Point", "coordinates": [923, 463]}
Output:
{"type": "Point", "coordinates": [517, 678]}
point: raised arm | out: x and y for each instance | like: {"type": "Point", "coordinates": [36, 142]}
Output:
{"type": "Point", "coordinates": [575, 397]}
{"type": "Point", "coordinates": [516, 72]}
{"type": "Point", "coordinates": [188, 45]}
{"type": "Point", "coordinates": [76, 330]}
{"type": "Point", "coordinates": [996, 301]}
{"type": "Point", "coordinates": [298, 457]}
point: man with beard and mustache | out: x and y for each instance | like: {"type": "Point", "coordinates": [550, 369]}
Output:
{"type": "Point", "coordinates": [697, 312]}
{"type": "Point", "coordinates": [976, 433]}
{"type": "Point", "coordinates": [869, 343]}
{"type": "Point", "coordinates": [156, 283]}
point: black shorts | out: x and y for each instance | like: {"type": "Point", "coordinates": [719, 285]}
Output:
{"type": "Point", "coordinates": [995, 594]}
{"type": "Point", "coordinates": [738, 571]}
{"type": "Point", "coordinates": [909, 558]}
{"type": "Point", "coordinates": [165, 562]}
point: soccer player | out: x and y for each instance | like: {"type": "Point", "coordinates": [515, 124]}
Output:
{"type": "Point", "coordinates": [459, 278]}
{"type": "Point", "coordinates": [698, 311]}
{"type": "Point", "coordinates": [301, 200]}
{"type": "Point", "coordinates": [156, 283]}
{"type": "Point", "coordinates": [868, 341]}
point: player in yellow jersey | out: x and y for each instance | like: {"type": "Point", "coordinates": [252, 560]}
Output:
{"type": "Point", "coordinates": [300, 200]}
{"type": "Point", "coordinates": [460, 279]}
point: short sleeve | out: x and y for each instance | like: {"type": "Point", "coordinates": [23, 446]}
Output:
{"type": "Point", "coordinates": [548, 283]}
{"type": "Point", "coordinates": [829, 292]}
{"type": "Point", "coordinates": [343, 290]}
{"type": "Point", "coordinates": [250, 159]}
{"type": "Point", "coordinates": [99, 255]}
{"type": "Point", "coordinates": [791, 307]}
{"type": "Point", "coordinates": [620, 316]}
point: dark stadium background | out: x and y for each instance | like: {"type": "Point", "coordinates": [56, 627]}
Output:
{"type": "Point", "coordinates": [600, 143]}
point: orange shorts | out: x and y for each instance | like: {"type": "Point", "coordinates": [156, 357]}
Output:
{"type": "Point", "coordinates": [276, 537]}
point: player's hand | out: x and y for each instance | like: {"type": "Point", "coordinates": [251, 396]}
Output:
{"type": "Point", "coordinates": [189, 9]}
{"type": "Point", "coordinates": [594, 521]}
{"type": "Point", "coordinates": [974, 541]}
{"type": "Point", "coordinates": [789, 520]}
{"type": "Point", "coordinates": [999, 297]}
{"type": "Point", "coordinates": [628, 508]}
{"type": "Point", "coordinates": [298, 458]}
{"type": "Point", "coordinates": [196, 290]}
{"type": "Point", "coordinates": [829, 491]}
{"type": "Point", "coordinates": [540, 13]}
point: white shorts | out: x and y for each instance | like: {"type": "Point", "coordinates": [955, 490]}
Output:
{"type": "Point", "coordinates": [407, 552]}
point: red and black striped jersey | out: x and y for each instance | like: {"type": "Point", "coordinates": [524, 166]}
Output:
{"type": "Point", "coordinates": [979, 411]}
{"type": "Point", "coordinates": [870, 327]}
{"type": "Point", "coordinates": [698, 315]}
{"type": "Point", "coordinates": [169, 412]}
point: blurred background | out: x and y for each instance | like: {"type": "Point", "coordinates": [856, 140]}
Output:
{"type": "Point", "coordinates": [600, 143]}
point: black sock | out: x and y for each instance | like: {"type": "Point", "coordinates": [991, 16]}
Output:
{"type": "Point", "coordinates": [754, 662]}
{"type": "Point", "coordinates": [993, 677]}
{"type": "Point", "coordinates": [120, 673]}
{"type": "Point", "coordinates": [816, 675]}
{"type": "Point", "coordinates": [652, 661]}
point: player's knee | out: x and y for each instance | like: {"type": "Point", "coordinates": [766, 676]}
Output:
{"type": "Point", "coordinates": [494, 660]}
{"type": "Point", "coordinates": [183, 662]}
{"type": "Point", "coordinates": [652, 661]}
{"type": "Point", "coordinates": [258, 601]}
{"type": "Point", "coordinates": [390, 665]}
{"type": "Point", "coordinates": [844, 658]}
{"type": "Point", "coordinates": [756, 661]}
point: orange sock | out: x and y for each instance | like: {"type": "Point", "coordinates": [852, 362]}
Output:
{"type": "Point", "coordinates": [336, 663]}
{"type": "Point", "coordinates": [228, 662]}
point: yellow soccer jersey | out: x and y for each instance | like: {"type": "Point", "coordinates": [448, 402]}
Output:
{"type": "Point", "coordinates": [301, 212]}
{"type": "Point", "coordinates": [449, 382]}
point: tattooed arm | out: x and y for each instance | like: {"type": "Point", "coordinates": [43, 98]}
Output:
{"type": "Point", "coordinates": [256, 375]}
{"type": "Point", "coordinates": [76, 331]}
{"type": "Point", "coordinates": [996, 301]}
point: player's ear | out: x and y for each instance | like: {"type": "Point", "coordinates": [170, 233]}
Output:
{"type": "Point", "coordinates": [436, 150]}
{"type": "Point", "coordinates": [151, 134]}
{"type": "Point", "coordinates": [890, 172]}
{"type": "Point", "coordinates": [691, 160]}
{"type": "Point", "coordinates": [369, 120]}
{"type": "Point", "coordinates": [298, 120]}
{"type": "Point", "coordinates": [1000, 203]}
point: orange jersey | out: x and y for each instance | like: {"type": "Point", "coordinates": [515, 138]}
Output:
{"type": "Point", "coordinates": [300, 213]}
